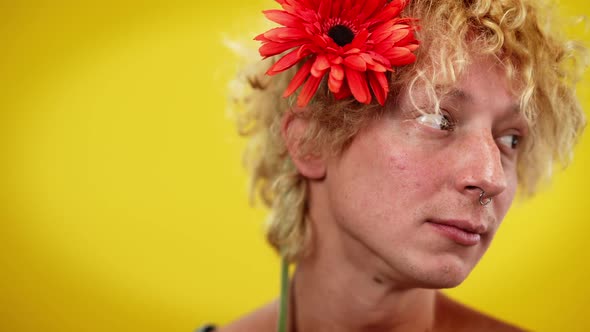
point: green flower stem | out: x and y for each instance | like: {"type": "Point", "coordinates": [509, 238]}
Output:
{"type": "Point", "coordinates": [284, 296]}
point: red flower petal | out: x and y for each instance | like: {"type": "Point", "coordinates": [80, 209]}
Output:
{"type": "Point", "coordinates": [305, 49]}
{"type": "Point", "coordinates": [337, 71]}
{"type": "Point", "coordinates": [320, 66]}
{"type": "Point", "coordinates": [352, 51]}
{"type": "Point", "coordinates": [398, 37]}
{"type": "Point", "coordinates": [335, 59]}
{"type": "Point", "coordinates": [369, 8]}
{"type": "Point", "coordinates": [382, 32]}
{"type": "Point", "coordinates": [282, 17]}
{"type": "Point", "coordinates": [355, 62]}
{"type": "Point", "coordinates": [343, 93]}
{"type": "Point", "coordinates": [360, 40]}
{"type": "Point", "coordinates": [272, 48]}
{"type": "Point", "coordinates": [309, 15]}
{"type": "Point", "coordinates": [380, 59]}
{"type": "Point", "coordinates": [336, 78]}
{"type": "Point", "coordinates": [400, 56]}
{"type": "Point", "coordinates": [261, 38]}
{"type": "Point", "coordinates": [367, 58]}
{"type": "Point", "coordinates": [299, 78]}
{"type": "Point", "coordinates": [379, 86]}
{"type": "Point", "coordinates": [336, 7]}
{"type": "Point", "coordinates": [309, 89]}
{"type": "Point", "coordinates": [357, 82]}
{"type": "Point", "coordinates": [401, 36]}
{"type": "Point", "coordinates": [390, 12]}
{"type": "Point", "coordinates": [319, 41]}
{"type": "Point", "coordinates": [285, 62]}
{"type": "Point", "coordinates": [377, 67]}
{"type": "Point", "coordinates": [285, 34]}
{"type": "Point", "coordinates": [325, 8]}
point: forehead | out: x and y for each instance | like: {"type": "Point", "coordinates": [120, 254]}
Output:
{"type": "Point", "coordinates": [483, 84]}
{"type": "Point", "coordinates": [482, 80]}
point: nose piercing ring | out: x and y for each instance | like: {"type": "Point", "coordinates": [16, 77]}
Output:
{"type": "Point", "coordinates": [483, 201]}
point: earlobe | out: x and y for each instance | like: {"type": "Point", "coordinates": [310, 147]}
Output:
{"type": "Point", "coordinates": [310, 164]}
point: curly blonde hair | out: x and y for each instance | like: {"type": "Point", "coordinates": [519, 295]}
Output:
{"type": "Point", "coordinates": [542, 68]}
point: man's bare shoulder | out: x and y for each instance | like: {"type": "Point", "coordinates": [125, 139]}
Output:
{"type": "Point", "coordinates": [261, 320]}
{"type": "Point", "coordinates": [454, 316]}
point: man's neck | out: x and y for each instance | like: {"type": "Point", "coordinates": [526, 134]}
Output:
{"type": "Point", "coordinates": [341, 285]}
{"type": "Point", "coordinates": [330, 296]}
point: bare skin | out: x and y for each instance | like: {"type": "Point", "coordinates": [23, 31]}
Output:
{"type": "Point", "coordinates": [449, 316]}
{"type": "Point", "coordinates": [378, 252]}
{"type": "Point", "coordinates": [329, 294]}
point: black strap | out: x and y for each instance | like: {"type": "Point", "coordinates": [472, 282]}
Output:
{"type": "Point", "coordinates": [206, 328]}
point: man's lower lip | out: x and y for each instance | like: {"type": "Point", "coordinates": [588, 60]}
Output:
{"type": "Point", "coordinates": [458, 235]}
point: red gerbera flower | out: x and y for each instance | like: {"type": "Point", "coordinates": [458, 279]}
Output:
{"type": "Point", "coordinates": [354, 42]}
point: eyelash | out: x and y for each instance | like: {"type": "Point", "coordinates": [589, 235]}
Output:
{"type": "Point", "coordinates": [514, 143]}
{"type": "Point", "coordinates": [447, 123]}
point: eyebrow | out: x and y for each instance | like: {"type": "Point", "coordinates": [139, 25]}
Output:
{"type": "Point", "coordinates": [459, 94]}
{"type": "Point", "coordinates": [464, 96]}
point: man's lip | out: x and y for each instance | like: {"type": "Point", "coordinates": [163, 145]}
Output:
{"type": "Point", "coordinates": [457, 235]}
{"type": "Point", "coordinates": [462, 224]}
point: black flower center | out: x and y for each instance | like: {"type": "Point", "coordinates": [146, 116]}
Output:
{"type": "Point", "coordinates": [341, 34]}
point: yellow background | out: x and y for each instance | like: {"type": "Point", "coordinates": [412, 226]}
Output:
{"type": "Point", "coordinates": [123, 205]}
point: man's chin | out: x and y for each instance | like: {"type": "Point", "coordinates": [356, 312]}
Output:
{"type": "Point", "coordinates": [446, 277]}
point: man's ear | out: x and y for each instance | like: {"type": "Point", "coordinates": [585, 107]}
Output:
{"type": "Point", "coordinates": [310, 165]}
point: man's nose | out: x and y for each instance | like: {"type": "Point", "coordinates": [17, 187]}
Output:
{"type": "Point", "coordinates": [481, 166]}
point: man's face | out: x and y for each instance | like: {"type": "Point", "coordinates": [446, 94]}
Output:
{"type": "Point", "coordinates": [407, 189]}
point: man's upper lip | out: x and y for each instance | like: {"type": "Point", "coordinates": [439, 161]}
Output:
{"type": "Point", "coordinates": [463, 224]}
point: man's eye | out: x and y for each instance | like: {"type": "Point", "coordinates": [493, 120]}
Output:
{"type": "Point", "coordinates": [510, 141]}
{"type": "Point", "coordinates": [437, 121]}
